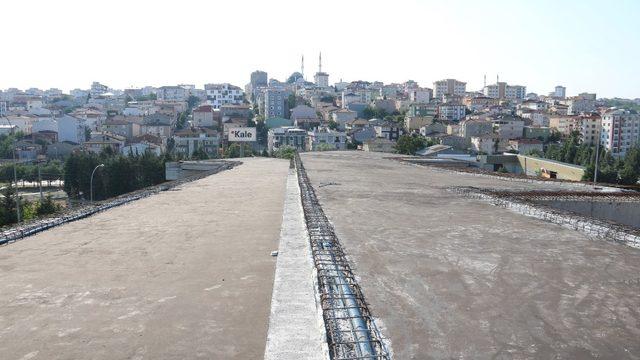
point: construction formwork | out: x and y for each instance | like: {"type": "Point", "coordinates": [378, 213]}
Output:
{"type": "Point", "coordinates": [350, 327]}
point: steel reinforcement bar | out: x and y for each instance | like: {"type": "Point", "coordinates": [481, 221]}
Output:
{"type": "Point", "coordinates": [351, 331]}
{"type": "Point", "coordinates": [18, 232]}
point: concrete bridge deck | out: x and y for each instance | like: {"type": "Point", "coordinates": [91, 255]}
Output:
{"type": "Point", "coordinates": [452, 277]}
{"type": "Point", "coordinates": [184, 274]}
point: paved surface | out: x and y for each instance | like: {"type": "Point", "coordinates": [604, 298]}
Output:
{"type": "Point", "coordinates": [180, 275]}
{"type": "Point", "coordinates": [296, 327]}
{"type": "Point", "coordinates": [452, 277]}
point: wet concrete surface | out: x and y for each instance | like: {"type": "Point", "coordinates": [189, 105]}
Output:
{"type": "Point", "coordinates": [184, 274]}
{"type": "Point", "coordinates": [452, 277]}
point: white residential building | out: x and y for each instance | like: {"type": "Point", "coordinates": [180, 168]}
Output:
{"type": "Point", "coordinates": [450, 87]}
{"type": "Point", "coordinates": [71, 129]}
{"type": "Point", "coordinates": [620, 131]}
{"type": "Point", "coordinates": [222, 94]}
{"type": "Point", "coordinates": [451, 111]}
{"type": "Point", "coordinates": [172, 93]}
{"type": "Point", "coordinates": [560, 92]}
{"type": "Point", "coordinates": [98, 89]}
{"type": "Point", "coordinates": [501, 90]}
{"type": "Point", "coordinates": [420, 95]}
{"type": "Point", "coordinates": [331, 138]}
{"type": "Point", "coordinates": [287, 136]}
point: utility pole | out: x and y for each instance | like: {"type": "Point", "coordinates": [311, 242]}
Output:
{"type": "Point", "coordinates": [40, 182]}
{"type": "Point", "coordinates": [595, 171]}
{"type": "Point", "coordinates": [15, 173]}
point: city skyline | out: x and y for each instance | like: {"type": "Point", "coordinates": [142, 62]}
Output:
{"type": "Point", "coordinates": [537, 45]}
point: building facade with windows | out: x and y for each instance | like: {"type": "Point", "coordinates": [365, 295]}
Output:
{"type": "Point", "coordinates": [287, 136]}
{"type": "Point", "coordinates": [620, 131]}
{"type": "Point", "coordinates": [501, 90]}
{"type": "Point", "coordinates": [222, 94]}
{"type": "Point", "coordinates": [276, 103]}
{"type": "Point", "coordinates": [450, 87]}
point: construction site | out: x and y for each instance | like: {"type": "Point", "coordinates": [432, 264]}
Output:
{"type": "Point", "coordinates": [333, 255]}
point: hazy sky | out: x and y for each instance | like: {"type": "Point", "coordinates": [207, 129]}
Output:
{"type": "Point", "coordinates": [582, 44]}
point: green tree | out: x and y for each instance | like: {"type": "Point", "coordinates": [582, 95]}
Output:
{"type": "Point", "coordinates": [233, 151]}
{"type": "Point", "coordinates": [192, 102]}
{"type": "Point", "coordinates": [47, 206]}
{"type": "Point", "coordinates": [285, 152]}
{"type": "Point", "coordinates": [199, 154]}
{"type": "Point", "coordinates": [8, 209]}
{"type": "Point", "coordinates": [409, 144]}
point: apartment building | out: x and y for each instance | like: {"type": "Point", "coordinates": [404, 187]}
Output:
{"type": "Point", "coordinates": [501, 90]}
{"type": "Point", "coordinates": [326, 137]}
{"type": "Point", "coordinates": [286, 136]}
{"type": "Point", "coordinates": [172, 93]}
{"type": "Point", "coordinates": [620, 131]}
{"type": "Point", "coordinates": [449, 86]}
{"type": "Point", "coordinates": [222, 94]}
{"type": "Point", "coordinates": [276, 103]}
{"type": "Point", "coordinates": [451, 111]}
{"type": "Point", "coordinates": [189, 140]}
{"type": "Point", "coordinates": [420, 95]}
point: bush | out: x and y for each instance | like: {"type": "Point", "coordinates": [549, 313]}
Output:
{"type": "Point", "coordinates": [47, 206]}
{"type": "Point", "coordinates": [285, 152]}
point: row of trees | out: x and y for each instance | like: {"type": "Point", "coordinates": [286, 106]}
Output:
{"type": "Point", "coordinates": [120, 174]}
{"type": "Point", "coordinates": [51, 171]}
{"type": "Point", "coordinates": [612, 170]}
{"type": "Point", "coordinates": [28, 209]}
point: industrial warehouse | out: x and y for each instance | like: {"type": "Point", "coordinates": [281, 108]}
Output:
{"type": "Point", "coordinates": [334, 255]}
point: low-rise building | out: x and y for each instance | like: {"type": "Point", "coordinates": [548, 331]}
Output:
{"type": "Point", "coordinates": [101, 140]}
{"type": "Point", "coordinates": [388, 130]}
{"type": "Point", "coordinates": [487, 144]}
{"type": "Point", "coordinates": [343, 116]}
{"type": "Point", "coordinates": [508, 128]}
{"type": "Point", "coordinates": [537, 132]}
{"type": "Point", "coordinates": [525, 146]}
{"type": "Point", "coordinates": [203, 116]}
{"type": "Point", "coordinates": [324, 138]}
{"type": "Point", "coordinates": [472, 127]}
{"type": "Point", "coordinates": [187, 141]}
{"type": "Point", "coordinates": [286, 136]}
{"type": "Point", "coordinates": [414, 123]}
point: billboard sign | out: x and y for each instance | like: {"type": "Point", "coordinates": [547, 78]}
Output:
{"type": "Point", "coordinates": [242, 134]}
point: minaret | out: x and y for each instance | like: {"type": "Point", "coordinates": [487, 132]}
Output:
{"type": "Point", "coordinates": [320, 62]}
{"type": "Point", "coordinates": [302, 68]}
{"type": "Point", "coordinates": [485, 81]}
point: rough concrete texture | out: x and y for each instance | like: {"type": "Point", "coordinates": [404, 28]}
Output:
{"type": "Point", "coordinates": [183, 274]}
{"type": "Point", "coordinates": [296, 327]}
{"type": "Point", "coordinates": [453, 277]}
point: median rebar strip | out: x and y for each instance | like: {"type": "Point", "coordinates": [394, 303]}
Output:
{"type": "Point", "coordinates": [351, 331]}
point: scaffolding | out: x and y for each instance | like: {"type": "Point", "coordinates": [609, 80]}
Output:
{"type": "Point", "coordinates": [351, 331]}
